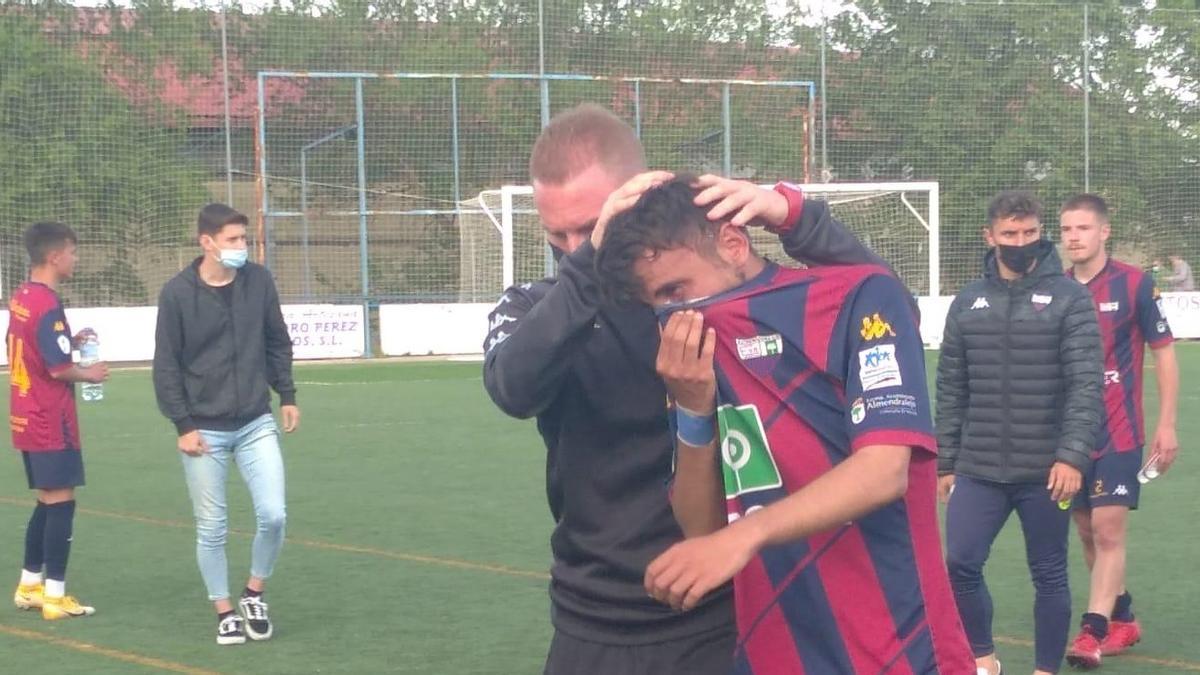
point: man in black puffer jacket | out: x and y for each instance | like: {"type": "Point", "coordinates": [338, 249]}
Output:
{"type": "Point", "coordinates": [1019, 404]}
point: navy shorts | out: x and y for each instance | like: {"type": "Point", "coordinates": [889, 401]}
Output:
{"type": "Point", "coordinates": [53, 469]}
{"type": "Point", "coordinates": [1111, 481]}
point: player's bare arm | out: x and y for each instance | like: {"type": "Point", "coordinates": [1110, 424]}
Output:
{"type": "Point", "coordinates": [685, 362]}
{"type": "Point", "coordinates": [95, 373]}
{"type": "Point", "coordinates": [1165, 443]}
{"type": "Point", "coordinates": [872, 477]}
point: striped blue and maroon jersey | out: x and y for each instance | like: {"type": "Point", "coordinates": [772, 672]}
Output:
{"type": "Point", "coordinates": [42, 413]}
{"type": "Point", "coordinates": [813, 365]}
{"type": "Point", "coordinates": [1130, 317]}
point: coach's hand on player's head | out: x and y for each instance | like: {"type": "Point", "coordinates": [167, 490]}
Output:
{"type": "Point", "coordinates": [692, 568]}
{"type": "Point", "coordinates": [685, 361]}
{"type": "Point", "coordinates": [291, 417]}
{"type": "Point", "coordinates": [741, 202]}
{"type": "Point", "coordinates": [625, 197]}
{"type": "Point", "coordinates": [1065, 481]}
{"type": "Point", "coordinates": [192, 443]}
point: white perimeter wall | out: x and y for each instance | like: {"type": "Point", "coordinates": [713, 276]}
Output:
{"type": "Point", "coordinates": [337, 331]}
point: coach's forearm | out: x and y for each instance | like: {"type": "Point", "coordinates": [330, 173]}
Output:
{"type": "Point", "coordinates": [868, 480]}
{"type": "Point", "coordinates": [698, 494]}
{"type": "Point", "coordinates": [1166, 373]}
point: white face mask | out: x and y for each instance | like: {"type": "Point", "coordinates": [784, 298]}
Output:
{"type": "Point", "coordinates": [234, 258]}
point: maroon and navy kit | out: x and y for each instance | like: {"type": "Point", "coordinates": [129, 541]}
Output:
{"type": "Point", "coordinates": [813, 365]}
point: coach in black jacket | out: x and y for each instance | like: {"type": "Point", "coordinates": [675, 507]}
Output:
{"type": "Point", "coordinates": [558, 351]}
{"type": "Point", "coordinates": [1019, 401]}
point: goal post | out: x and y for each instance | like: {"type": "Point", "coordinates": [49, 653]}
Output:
{"type": "Point", "coordinates": [503, 243]}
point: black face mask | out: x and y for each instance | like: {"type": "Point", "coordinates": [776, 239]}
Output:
{"type": "Point", "coordinates": [1020, 258]}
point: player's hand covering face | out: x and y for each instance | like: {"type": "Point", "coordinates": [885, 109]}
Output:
{"type": "Point", "coordinates": [685, 361]}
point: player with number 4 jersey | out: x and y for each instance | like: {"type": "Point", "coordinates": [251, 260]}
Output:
{"type": "Point", "coordinates": [43, 419]}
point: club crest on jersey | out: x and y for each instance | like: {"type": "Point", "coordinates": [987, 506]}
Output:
{"type": "Point", "coordinates": [858, 411]}
{"type": "Point", "coordinates": [1041, 301]}
{"type": "Point", "coordinates": [875, 327]}
{"type": "Point", "coordinates": [878, 368]}
{"type": "Point", "coordinates": [759, 346]}
{"type": "Point", "coordinates": [59, 326]}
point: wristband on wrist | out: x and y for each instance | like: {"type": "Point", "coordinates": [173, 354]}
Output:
{"type": "Point", "coordinates": [795, 199]}
{"type": "Point", "coordinates": [697, 430]}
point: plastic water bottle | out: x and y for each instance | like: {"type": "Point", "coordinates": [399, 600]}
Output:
{"type": "Point", "coordinates": [89, 354]}
{"type": "Point", "coordinates": [1150, 471]}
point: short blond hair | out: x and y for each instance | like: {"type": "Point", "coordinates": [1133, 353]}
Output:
{"type": "Point", "coordinates": [580, 137]}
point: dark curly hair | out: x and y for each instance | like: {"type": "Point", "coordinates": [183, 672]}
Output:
{"type": "Point", "coordinates": [664, 218]}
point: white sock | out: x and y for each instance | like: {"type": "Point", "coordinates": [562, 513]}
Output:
{"type": "Point", "coordinates": [31, 578]}
{"type": "Point", "coordinates": [55, 588]}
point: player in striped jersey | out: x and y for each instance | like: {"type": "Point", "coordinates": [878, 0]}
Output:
{"type": "Point", "coordinates": [1130, 318]}
{"type": "Point", "coordinates": [820, 503]}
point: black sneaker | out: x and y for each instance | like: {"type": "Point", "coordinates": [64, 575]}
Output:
{"type": "Point", "coordinates": [229, 630]}
{"type": "Point", "coordinates": [258, 624]}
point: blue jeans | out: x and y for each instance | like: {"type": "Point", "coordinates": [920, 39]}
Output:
{"type": "Point", "coordinates": [255, 449]}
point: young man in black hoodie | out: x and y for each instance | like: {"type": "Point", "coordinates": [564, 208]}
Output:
{"type": "Point", "coordinates": [559, 351]}
{"type": "Point", "coordinates": [220, 343]}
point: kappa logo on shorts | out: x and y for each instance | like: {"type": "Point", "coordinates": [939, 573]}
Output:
{"type": "Point", "coordinates": [1121, 490]}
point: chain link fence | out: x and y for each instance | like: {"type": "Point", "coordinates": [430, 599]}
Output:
{"type": "Point", "coordinates": [122, 122]}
